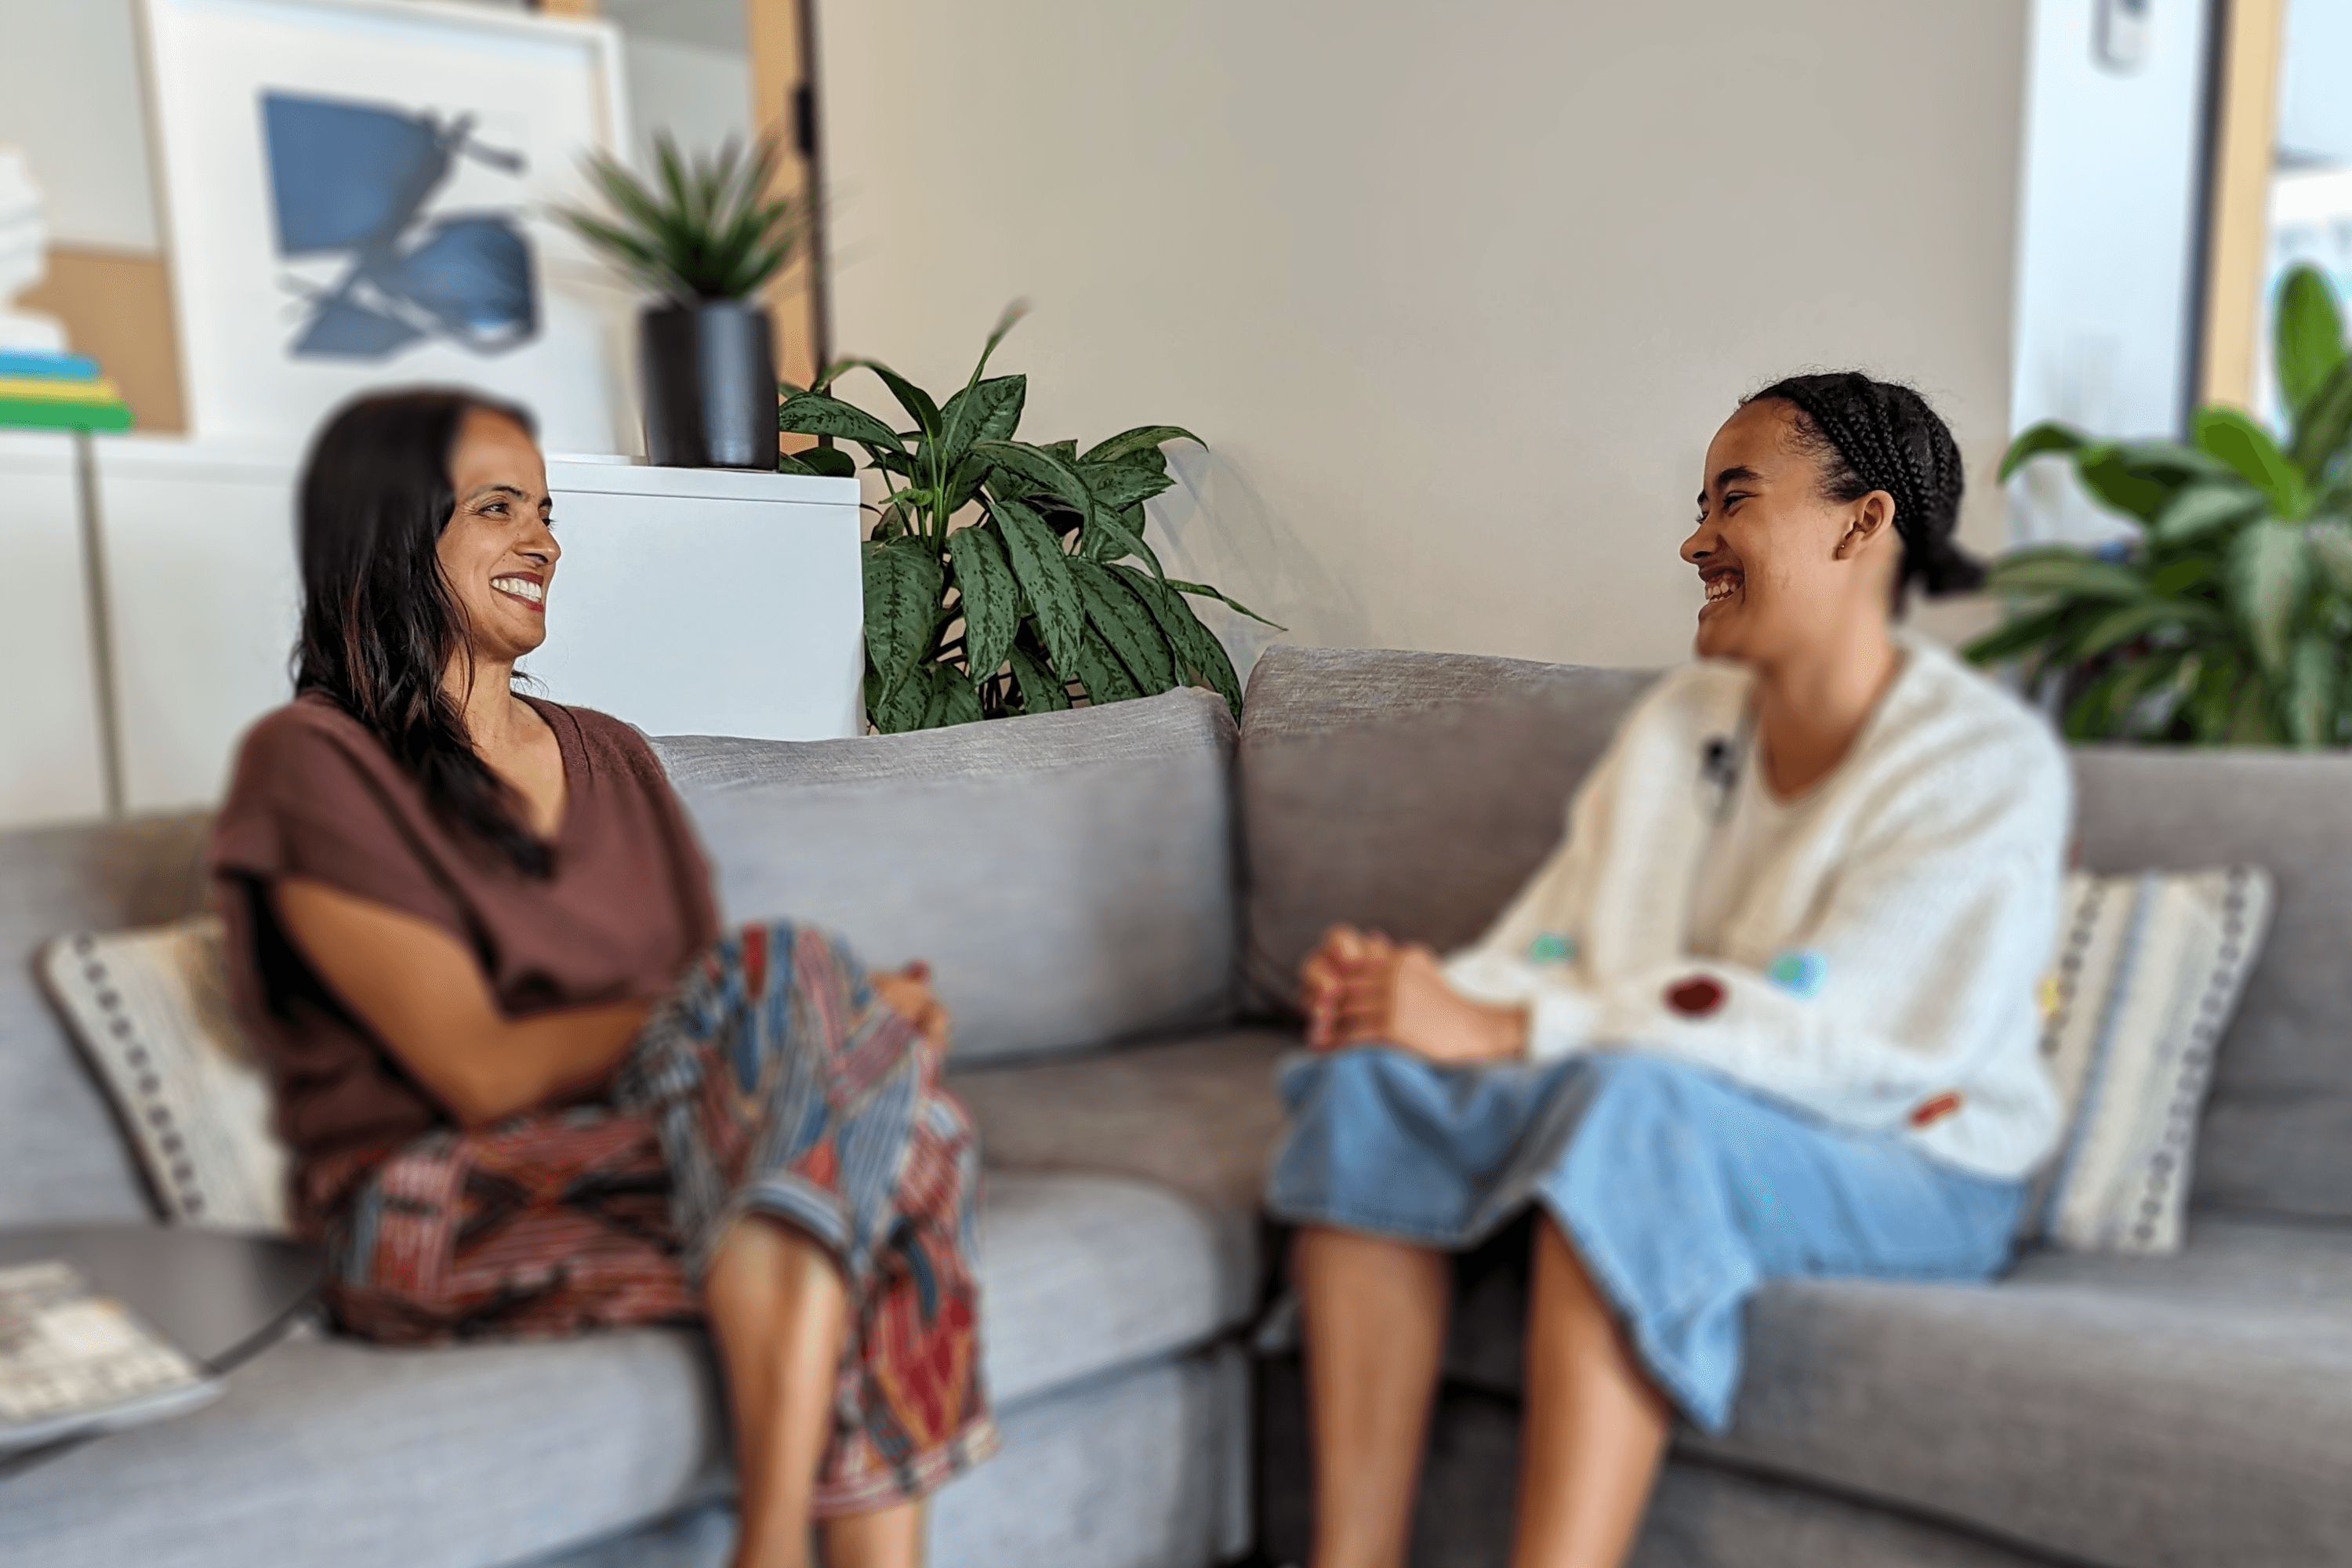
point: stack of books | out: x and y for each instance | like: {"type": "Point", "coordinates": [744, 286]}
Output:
{"type": "Point", "coordinates": [58, 392]}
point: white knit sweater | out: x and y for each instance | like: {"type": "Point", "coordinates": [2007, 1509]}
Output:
{"type": "Point", "coordinates": [1878, 966]}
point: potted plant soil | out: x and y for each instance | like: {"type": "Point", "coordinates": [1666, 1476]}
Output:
{"type": "Point", "coordinates": [705, 235]}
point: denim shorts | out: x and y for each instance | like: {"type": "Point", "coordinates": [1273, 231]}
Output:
{"type": "Point", "coordinates": [1680, 1192]}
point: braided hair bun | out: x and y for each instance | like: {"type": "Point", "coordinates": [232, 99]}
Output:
{"type": "Point", "coordinates": [1879, 435]}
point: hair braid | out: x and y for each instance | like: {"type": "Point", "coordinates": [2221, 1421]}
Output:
{"type": "Point", "coordinates": [1881, 435]}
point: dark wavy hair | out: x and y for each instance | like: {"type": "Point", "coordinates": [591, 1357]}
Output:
{"type": "Point", "coordinates": [379, 622]}
{"type": "Point", "coordinates": [1881, 435]}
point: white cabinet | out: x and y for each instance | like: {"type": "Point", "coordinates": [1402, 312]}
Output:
{"type": "Point", "coordinates": [687, 602]}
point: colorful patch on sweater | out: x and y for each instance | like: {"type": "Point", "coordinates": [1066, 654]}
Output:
{"type": "Point", "coordinates": [1552, 947]}
{"type": "Point", "coordinates": [1799, 971]}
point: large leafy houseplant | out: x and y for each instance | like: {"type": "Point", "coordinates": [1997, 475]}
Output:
{"type": "Point", "coordinates": [1002, 573]}
{"type": "Point", "coordinates": [2222, 619]}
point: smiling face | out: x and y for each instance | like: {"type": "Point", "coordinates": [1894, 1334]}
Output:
{"type": "Point", "coordinates": [1785, 567]}
{"type": "Point", "coordinates": [497, 551]}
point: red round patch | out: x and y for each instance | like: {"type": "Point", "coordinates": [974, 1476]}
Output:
{"type": "Point", "coordinates": [1694, 997]}
{"type": "Point", "coordinates": [1931, 1112]}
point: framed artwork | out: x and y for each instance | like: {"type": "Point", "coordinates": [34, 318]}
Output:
{"type": "Point", "coordinates": [357, 194]}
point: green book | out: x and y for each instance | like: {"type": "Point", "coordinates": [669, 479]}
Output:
{"type": "Point", "coordinates": [31, 414]}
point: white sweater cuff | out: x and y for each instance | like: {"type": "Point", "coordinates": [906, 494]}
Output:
{"type": "Point", "coordinates": [1560, 1014]}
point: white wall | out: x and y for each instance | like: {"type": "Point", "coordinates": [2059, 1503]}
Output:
{"type": "Point", "coordinates": [1459, 292]}
{"type": "Point", "coordinates": [2106, 255]}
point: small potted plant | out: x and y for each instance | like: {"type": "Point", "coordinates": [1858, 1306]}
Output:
{"type": "Point", "coordinates": [705, 235]}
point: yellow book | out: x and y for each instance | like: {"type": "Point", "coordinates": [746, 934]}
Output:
{"type": "Point", "coordinates": [40, 389]}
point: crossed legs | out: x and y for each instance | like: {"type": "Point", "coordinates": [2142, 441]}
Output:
{"type": "Point", "coordinates": [778, 1309]}
{"type": "Point", "coordinates": [1374, 1313]}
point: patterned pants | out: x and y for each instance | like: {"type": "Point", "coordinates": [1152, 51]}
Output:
{"type": "Point", "coordinates": [773, 1082]}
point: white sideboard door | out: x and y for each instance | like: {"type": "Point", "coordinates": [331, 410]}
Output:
{"type": "Point", "coordinates": [705, 602]}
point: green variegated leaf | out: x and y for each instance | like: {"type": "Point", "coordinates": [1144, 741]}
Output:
{"type": "Point", "coordinates": [986, 411]}
{"type": "Point", "coordinates": [903, 585]}
{"type": "Point", "coordinates": [2200, 510]}
{"type": "Point", "coordinates": [2250, 450]}
{"type": "Point", "coordinates": [992, 601]}
{"type": "Point", "coordinates": [828, 462]}
{"type": "Point", "coordinates": [1118, 486]}
{"type": "Point", "coordinates": [2267, 574]}
{"type": "Point", "coordinates": [2020, 635]}
{"type": "Point", "coordinates": [2307, 694]}
{"type": "Point", "coordinates": [2122, 484]}
{"type": "Point", "coordinates": [953, 701]}
{"type": "Point", "coordinates": [1099, 671]}
{"type": "Point", "coordinates": [1199, 657]}
{"type": "Point", "coordinates": [1126, 626]}
{"type": "Point", "coordinates": [912, 398]}
{"type": "Point", "coordinates": [1143, 437]}
{"type": "Point", "coordinates": [900, 708]}
{"type": "Point", "coordinates": [1113, 539]}
{"type": "Point", "coordinates": [2250, 721]}
{"type": "Point", "coordinates": [2128, 623]}
{"type": "Point", "coordinates": [2309, 337]}
{"type": "Point", "coordinates": [2048, 437]}
{"type": "Point", "coordinates": [2063, 569]}
{"type": "Point", "coordinates": [1043, 571]}
{"type": "Point", "coordinates": [2177, 576]}
{"type": "Point", "coordinates": [1041, 690]}
{"type": "Point", "coordinates": [1041, 466]}
{"type": "Point", "coordinates": [1201, 590]}
{"type": "Point", "coordinates": [2326, 422]}
{"type": "Point", "coordinates": [813, 414]}
{"type": "Point", "coordinates": [2331, 553]}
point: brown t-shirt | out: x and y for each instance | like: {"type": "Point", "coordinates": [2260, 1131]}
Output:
{"type": "Point", "coordinates": [315, 795]}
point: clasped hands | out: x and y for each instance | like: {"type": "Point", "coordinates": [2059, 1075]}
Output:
{"type": "Point", "coordinates": [907, 992]}
{"type": "Point", "coordinates": [1360, 988]}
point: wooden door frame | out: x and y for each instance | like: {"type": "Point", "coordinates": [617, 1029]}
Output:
{"type": "Point", "coordinates": [2248, 40]}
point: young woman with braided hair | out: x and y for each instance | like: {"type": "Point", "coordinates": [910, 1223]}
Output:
{"type": "Point", "coordinates": [1769, 1009]}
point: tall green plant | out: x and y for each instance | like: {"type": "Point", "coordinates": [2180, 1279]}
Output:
{"type": "Point", "coordinates": [1001, 573]}
{"type": "Point", "coordinates": [2222, 620]}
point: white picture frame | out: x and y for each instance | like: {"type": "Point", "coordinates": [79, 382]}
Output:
{"type": "Point", "coordinates": [357, 194]}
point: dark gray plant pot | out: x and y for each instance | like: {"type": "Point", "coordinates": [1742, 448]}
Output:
{"type": "Point", "coordinates": [710, 375]}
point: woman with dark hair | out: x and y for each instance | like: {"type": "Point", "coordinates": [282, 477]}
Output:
{"type": "Point", "coordinates": [529, 1087]}
{"type": "Point", "coordinates": [1769, 1009]}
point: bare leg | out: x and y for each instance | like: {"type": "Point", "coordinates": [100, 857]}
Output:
{"type": "Point", "coordinates": [1596, 1429]}
{"type": "Point", "coordinates": [1374, 1319]}
{"type": "Point", "coordinates": [778, 1310]}
{"type": "Point", "coordinates": [887, 1538]}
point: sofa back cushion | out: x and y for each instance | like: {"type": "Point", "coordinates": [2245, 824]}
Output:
{"type": "Point", "coordinates": [1410, 792]}
{"type": "Point", "coordinates": [2277, 1130]}
{"type": "Point", "coordinates": [1070, 877]}
{"type": "Point", "coordinates": [61, 1156]}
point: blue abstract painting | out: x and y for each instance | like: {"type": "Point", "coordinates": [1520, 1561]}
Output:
{"type": "Point", "coordinates": [358, 181]}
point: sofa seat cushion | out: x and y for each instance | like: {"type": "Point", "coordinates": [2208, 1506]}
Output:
{"type": "Point", "coordinates": [2141, 1412]}
{"type": "Point", "coordinates": [1196, 1116]}
{"type": "Point", "coordinates": [326, 1450]}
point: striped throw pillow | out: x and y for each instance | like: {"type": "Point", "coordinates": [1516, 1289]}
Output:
{"type": "Point", "coordinates": [2148, 975]}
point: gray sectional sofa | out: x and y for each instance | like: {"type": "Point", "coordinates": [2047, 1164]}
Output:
{"type": "Point", "coordinates": [1114, 901]}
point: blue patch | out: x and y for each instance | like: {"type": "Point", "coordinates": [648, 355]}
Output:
{"type": "Point", "coordinates": [1800, 973]}
{"type": "Point", "coordinates": [1552, 947]}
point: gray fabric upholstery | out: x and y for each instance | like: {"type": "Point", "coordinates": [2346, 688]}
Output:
{"type": "Point", "coordinates": [2277, 1130]}
{"type": "Point", "coordinates": [61, 1155]}
{"type": "Point", "coordinates": [1069, 876]}
{"type": "Point", "coordinates": [1081, 1275]}
{"type": "Point", "coordinates": [1196, 1116]}
{"type": "Point", "coordinates": [2135, 1412]}
{"type": "Point", "coordinates": [2154, 1412]}
{"type": "Point", "coordinates": [1143, 1469]}
{"type": "Point", "coordinates": [328, 1451]}
{"type": "Point", "coordinates": [1413, 792]}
